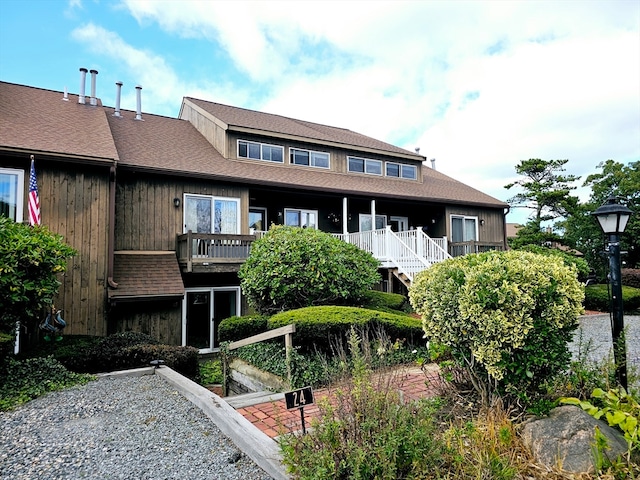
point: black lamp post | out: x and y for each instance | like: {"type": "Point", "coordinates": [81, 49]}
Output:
{"type": "Point", "coordinates": [613, 219]}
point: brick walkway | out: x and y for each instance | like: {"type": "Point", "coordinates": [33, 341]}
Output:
{"type": "Point", "coordinates": [274, 419]}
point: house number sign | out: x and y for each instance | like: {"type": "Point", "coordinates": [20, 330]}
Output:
{"type": "Point", "coordinates": [299, 399]}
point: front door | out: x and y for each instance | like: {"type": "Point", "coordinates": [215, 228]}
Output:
{"type": "Point", "coordinates": [399, 224]}
{"type": "Point", "coordinates": [202, 311]}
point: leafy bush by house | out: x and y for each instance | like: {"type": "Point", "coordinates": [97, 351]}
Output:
{"type": "Point", "coordinates": [291, 268]}
{"type": "Point", "coordinates": [597, 298]}
{"type": "Point", "coordinates": [237, 328]}
{"type": "Point", "coordinates": [317, 328]}
{"type": "Point", "coordinates": [30, 259]}
{"type": "Point", "coordinates": [580, 264]}
{"type": "Point", "coordinates": [507, 316]}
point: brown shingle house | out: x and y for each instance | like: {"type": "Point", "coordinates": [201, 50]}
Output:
{"type": "Point", "coordinates": [163, 211]}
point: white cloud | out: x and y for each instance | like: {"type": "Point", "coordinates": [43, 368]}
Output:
{"type": "Point", "coordinates": [477, 85]}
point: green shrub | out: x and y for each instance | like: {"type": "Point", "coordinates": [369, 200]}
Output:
{"type": "Point", "coordinates": [182, 359]}
{"type": "Point", "coordinates": [630, 277]}
{"type": "Point", "coordinates": [580, 264]}
{"type": "Point", "coordinates": [24, 380]}
{"type": "Point", "coordinates": [597, 298]}
{"type": "Point", "coordinates": [73, 351]}
{"type": "Point", "coordinates": [386, 302]}
{"type": "Point", "coordinates": [507, 316]}
{"type": "Point", "coordinates": [30, 260]}
{"type": "Point", "coordinates": [291, 268]}
{"type": "Point", "coordinates": [237, 328]}
{"type": "Point", "coordinates": [211, 372]}
{"type": "Point", "coordinates": [107, 354]}
{"type": "Point", "coordinates": [320, 328]}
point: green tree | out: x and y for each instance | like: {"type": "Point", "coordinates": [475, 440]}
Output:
{"type": "Point", "coordinates": [294, 267]}
{"type": "Point", "coordinates": [30, 259]}
{"type": "Point", "coordinates": [547, 192]}
{"type": "Point", "coordinates": [582, 231]}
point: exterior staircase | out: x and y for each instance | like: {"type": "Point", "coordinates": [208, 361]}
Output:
{"type": "Point", "coordinates": [405, 254]}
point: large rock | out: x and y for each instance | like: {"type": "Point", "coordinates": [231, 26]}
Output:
{"type": "Point", "coordinates": [565, 439]}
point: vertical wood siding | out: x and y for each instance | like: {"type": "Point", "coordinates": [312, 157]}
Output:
{"type": "Point", "coordinates": [146, 218]}
{"type": "Point", "coordinates": [491, 231]}
{"type": "Point", "coordinates": [162, 320]}
{"type": "Point", "coordinates": [74, 204]}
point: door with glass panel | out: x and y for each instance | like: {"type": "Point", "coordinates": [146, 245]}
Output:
{"type": "Point", "coordinates": [202, 311]}
{"type": "Point", "coordinates": [209, 214]}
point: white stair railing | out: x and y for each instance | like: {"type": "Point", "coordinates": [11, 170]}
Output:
{"type": "Point", "coordinates": [410, 251]}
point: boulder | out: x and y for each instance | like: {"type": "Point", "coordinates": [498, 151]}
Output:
{"type": "Point", "coordinates": [565, 439]}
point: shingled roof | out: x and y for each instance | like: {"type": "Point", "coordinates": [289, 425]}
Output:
{"type": "Point", "coordinates": [169, 145]}
{"type": "Point", "coordinates": [146, 275]}
{"type": "Point", "coordinates": [277, 126]}
{"type": "Point", "coordinates": [35, 120]}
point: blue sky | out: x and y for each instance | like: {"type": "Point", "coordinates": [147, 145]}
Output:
{"type": "Point", "coordinates": [478, 85]}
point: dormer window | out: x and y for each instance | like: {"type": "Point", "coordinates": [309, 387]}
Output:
{"type": "Point", "coordinates": [401, 170]}
{"type": "Point", "coordinates": [365, 165]}
{"type": "Point", "coordinates": [260, 151]}
{"type": "Point", "coordinates": [309, 158]}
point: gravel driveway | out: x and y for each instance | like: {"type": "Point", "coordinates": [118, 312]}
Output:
{"type": "Point", "coordinates": [117, 428]}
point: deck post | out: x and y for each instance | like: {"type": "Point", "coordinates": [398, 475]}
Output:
{"type": "Point", "coordinates": [189, 252]}
{"type": "Point", "coordinates": [345, 217]}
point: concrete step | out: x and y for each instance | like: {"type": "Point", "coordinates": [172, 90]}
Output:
{"type": "Point", "coordinates": [253, 398]}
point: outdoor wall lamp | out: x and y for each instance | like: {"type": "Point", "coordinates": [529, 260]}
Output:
{"type": "Point", "coordinates": [482, 222]}
{"type": "Point", "coordinates": [613, 219]}
{"type": "Point", "coordinates": [176, 202]}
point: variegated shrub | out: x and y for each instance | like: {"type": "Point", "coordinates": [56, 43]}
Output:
{"type": "Point", "coordinates": [507, 316]}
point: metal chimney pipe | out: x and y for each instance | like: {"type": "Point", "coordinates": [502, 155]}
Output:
{"type": "Point", "coordinates": [83, 81]}
{"type": "Point", "coordinates": [118, 94]}
{"type": "Point", "coordinates": [65, 97]}
{"type": "Point", "coordinates": [93, 100]}
{"type": "Point", "coordinates": [433, 163]}
{"type": "Point", "coordinates": [138, 102]}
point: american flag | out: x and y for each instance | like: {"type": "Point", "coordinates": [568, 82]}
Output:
{"type": "Point", "coordinates": [34, 201]}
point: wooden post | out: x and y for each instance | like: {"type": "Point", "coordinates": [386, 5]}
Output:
{"type": "Point", "coordinates": [189, 252]}
{"type": "Point", "coordinates": [288, 347]}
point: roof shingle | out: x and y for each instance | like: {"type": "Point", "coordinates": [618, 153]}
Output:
{"type": "Point", "coordinates": [146, 274]}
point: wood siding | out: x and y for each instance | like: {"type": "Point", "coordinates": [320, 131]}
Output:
{"type": "Point", "coordinates": [74, 204]}
{"type": "Point", "coordinates": [162, 320]}
{"type": "Point", "coordinates": [493, 229]}
{"type": "Point", "coordinates": [215, 134]}
{"type": "Point", "coordinates": [146, 218]}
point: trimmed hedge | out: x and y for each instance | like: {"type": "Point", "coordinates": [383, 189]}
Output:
{"type": "Point", "coordinates": [181, 359]}
{"type": "Point", "coordinates": [86, 354]}
{"type": "Point", "coordinates": [237, 328]}
{"type": "Point", "coordinates": [597, 298]}
{"type": "Point", "coordinates": [318, 327]}
{"type": "Point", "coordinates": [385, 302]}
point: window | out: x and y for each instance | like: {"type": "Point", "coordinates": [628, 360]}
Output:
{"type": "Point", "coordinates": [206, 214]}
{"type": "Point", "coordinates": [365, 222]}
{"type": "Point", "coordinates": [365, 165]}
{"type": "Point", "coordinates": [258, 218]}
{"type": "Point", "coordinates": [260, 151]}
{"type": "Point", "coordinates": [11, 193]}
{"type": "Point", "coordinates": [294, 217]}
{"type": "Point", "coordinates": [402, 171]}
{"type": "Point", "coordinates": [309, 158]}
{"type": "Point", "coordinates": [464, 229]}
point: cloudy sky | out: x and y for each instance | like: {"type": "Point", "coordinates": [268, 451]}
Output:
{"type": "Point", "coordinates": [477, 85]}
